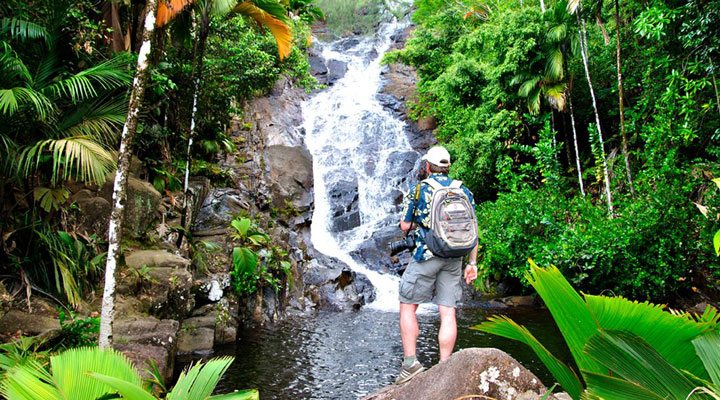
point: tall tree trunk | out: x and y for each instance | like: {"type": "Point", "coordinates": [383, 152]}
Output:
{"type": "Point", "coordinates": [577, 152]}
{"type": "Point", "coordinates": [622, 99]}
{"type": "Point", "coordinates": [542, 6]}
{"type": "Point", "coordinates": [717, 97]}
{"type": "Point", "coordinates": [121, 177]}
{"type": "Point", "coordinates": [197, 75]}
{"type": "Point", "coordinates": [584, 51]}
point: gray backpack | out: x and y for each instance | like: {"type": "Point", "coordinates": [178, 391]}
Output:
{"type": "Point", "coordinates": [453, 226]}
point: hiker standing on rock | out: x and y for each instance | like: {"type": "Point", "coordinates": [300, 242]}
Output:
{"type": "Point", "coordinates": [441, 211]}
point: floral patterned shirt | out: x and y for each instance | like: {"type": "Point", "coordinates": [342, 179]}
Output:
{"type": "Point", "coordinates": [418, 211]}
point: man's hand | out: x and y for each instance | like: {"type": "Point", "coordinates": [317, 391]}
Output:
{"type": "Point", "coordinates": [470, 273]}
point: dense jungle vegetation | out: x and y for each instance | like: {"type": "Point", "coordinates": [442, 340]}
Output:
{"type": "Point", "coordinates": [589, 133]}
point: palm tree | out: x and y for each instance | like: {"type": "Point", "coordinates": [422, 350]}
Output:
{"type": "Point", "coordinates": [621, 98]}
{"type": "Point", "coordinates": [91, 373]}
{"type": "Point", "coordinates": [121, 177]}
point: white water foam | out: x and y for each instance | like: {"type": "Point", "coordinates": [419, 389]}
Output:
{"type": "Point", "coordinates": [351, 135]}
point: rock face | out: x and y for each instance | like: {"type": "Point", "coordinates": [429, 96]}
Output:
{"type": "Point", "coordinates": [485, 373]}
{"type": "Point", "coordinates": [143, 339]}
{"type": "Point", "coordinates": [141, 207]}
{"type": "Point", "coordinates": [290, 172]}
{"type": "Point", "coordinates": [344, 200]}
{"type": "Point", "coordinates": [218, 209]}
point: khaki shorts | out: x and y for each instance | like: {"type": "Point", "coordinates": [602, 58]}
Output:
{"type": "Point", "coordinates": [435, 280]}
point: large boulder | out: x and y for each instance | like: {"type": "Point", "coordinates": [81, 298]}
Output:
{"type": "Point", "coordinates": [483, 372]}
{"type": "Point", "coordinates": [27, 324]}
{"type": "Point", "coordinates": [344, 202]}
{"type": "Point", "coordinates": [148, 339]}
{"type": "Point", "coordinates": [163, 280]}
{"type": "Point", "coordinates": [141, 206]}
{"type": "Point", "coordinates": [290, 171]}
{"type": "Point", "coordinates": [218, 210]}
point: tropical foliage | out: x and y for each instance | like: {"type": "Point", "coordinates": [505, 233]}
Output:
{"type": "Point", "coordinates": [508, 84]}
{"type": "Point", "coordinates": [623, 349]}
{"type": "Point", "coordinates": [92, 373]}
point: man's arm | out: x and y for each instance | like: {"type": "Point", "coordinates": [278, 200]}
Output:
{"type": "Point", "coordinates": [471, 267]}
{"type": "Point", "coordinates": [406, 222]}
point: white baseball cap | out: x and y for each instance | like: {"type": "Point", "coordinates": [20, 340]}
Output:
{"type": "Point", "coordinates": [438, 156]}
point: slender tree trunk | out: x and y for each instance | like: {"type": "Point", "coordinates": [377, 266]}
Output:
{"type": "Point", "coordinates": [717, 98]}
{"type": "Point", "coordinates": [577, 152]}
{"type": "Point", "coordinates": [584, 51]}
{"type": "Point", "coordinates": [542, 6]}
{"type": "Point", "coordinates": [197, 75]}
{"type": "Point", "coordinates": [622, 99]}
{"type": "Point", "coordinates": [121, 177]}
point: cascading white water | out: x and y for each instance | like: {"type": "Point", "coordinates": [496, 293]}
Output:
{"type": "Point", "coordinates": [351, 136]}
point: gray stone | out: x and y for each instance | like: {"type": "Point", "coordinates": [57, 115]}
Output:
{"type": "Point", "coordinates": [155, 258]}
{"type": "Point", "coordinates": [290, 173]}
{"type": "Point", "coordinates": [28, 324]}
{"type": "Point", "coordinates": [92, 214]}
{"type": "Point", "coordinates": [219, 208]}
{"type": "Point", "coordinates": [344, 198]}
{"type": "Point", "coordinates": [210, 289]}
{"type": "Point", "coordinates": [141, 206]}
{"type": "Point", "coordinates": [143, 339]}
{"type": "Point", "coordinates": [490, 373]}
{"type": "Point", "coordinates": [336, 71]}
{"type": "Point", "coordinates": [332, 285]}
{"type": "Point", "coordinates": [193, 340]}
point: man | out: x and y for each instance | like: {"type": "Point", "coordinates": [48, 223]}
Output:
{"type": "Point", "coordinates": [429, 278]}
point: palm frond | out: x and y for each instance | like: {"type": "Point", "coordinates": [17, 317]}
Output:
{"type": "Point", "coordinates": [630, 357]}
{"type": "Point", "coordinates": [554, 65]}
{"type": "Point", "coordinates": [572, 316]}
{"type": "Point", "coordinates": [507, 328]}
{"type": "Point", "coordinates": [28, 381]}
{"type": "Point", "coordinates": [199, 381]}
{"type": "Point", "coordinates": [250, 394]}
{"type": "Point", "coordinates": [22, 30]}
{"type": "Point", "coordinates": [528, 86]}
{"type": "Point", "coordinates": [13, 99]}
{"type": "Point", "coordinates": [127, 390]}
{"type": "Point", "coordinates": [572, 6]}
{"type": "Point", "coordinates": [267, 14]}
{"type": "Point", "coordinates": [79, 157]}
{"type": "Point", "coordinates": [12, 67]}
{"type": "Point", "coordinates": [168, 9]}
{"type": "Point", "coordinates": [607, 387]}
{"type": "Point", "coordinates": [557, 33]}
{"type": "Point", "coordinates": [707, 348]}
{"type": "Point", "coordinates": [556, 95]}
{"type": "Point", "coordinates": [101, 120]}
{"type": "Point", "coordinates": [107, 75]}
{"type": "Point", "coordinates": [222, 7]}
{"type": "Point", "coordinates": [70, 369]}
{"type": "Point", "coordinates": [652, 324]}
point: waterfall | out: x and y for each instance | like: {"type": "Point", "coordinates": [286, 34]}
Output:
{"type": "Point", "coordinates": [351, 137]}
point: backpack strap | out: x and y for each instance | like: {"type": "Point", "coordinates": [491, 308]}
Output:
{"type": "Point", "coordinates": [456, 184]}
{"type": "Point", "coordinates": [433, 183]}
{"type": "Point", "coordinates": [417, 192]}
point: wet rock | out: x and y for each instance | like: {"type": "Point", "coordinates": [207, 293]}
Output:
{"type": "Point", "coordinates": [143, 339]}
{"type": "Point", "coordinates": [375, 252]}
{"type": "Point", "coordinates": [346, 44]}
{"type": "Point", "coordinates": [518, 301]}
{"type": "Point", "coordinates": [277, 117]}
{"type": "Point", "coordinates": [344, 199]}
{"type": "Point", "coordinates": [490, 373]}
{"type": "Point", "coordinates": [211, 289]}
{"type": "Point", "coordinates": [219, 208]}
{"type": "Point", "coordinates": [141, 206]}
{"type": "Point", "coordinates": [336, 71]}
{"type": "Point", "coordinates": [334, 286]}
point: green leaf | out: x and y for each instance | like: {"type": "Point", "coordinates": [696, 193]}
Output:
{"type": "Point", "coordinates": [128, 390]}
{"type": "Point", "coordinates": [28, 381]}
{"type": "Point", "coordinates": [716, 243]}
{"type": "Point", "coordinates": [612, 388]}
{"type": "Point", "coordinates": [200, 380]}
{"type": "Point", "coordinates": [670, 335]}
{"type": "Point", "coordinates": [632, 358]}
{"type": "Point", "coordinates": [244, 259]}
{"type": "Point", "coordinates": [505, 327]}
{"type": "Point", "coordinates": [250, 394]}
{"type": "Point", "coordinates": [707, 348]}
{"type": "Point", "coordinates": [572, 316]}
{"type": "Point", "coordinates": [241, 226]}
{"type": "Point", "coordinates": [717, 182]}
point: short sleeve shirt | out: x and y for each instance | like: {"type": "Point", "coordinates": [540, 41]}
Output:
{"type": "Point", "coordinates": [418, 211]}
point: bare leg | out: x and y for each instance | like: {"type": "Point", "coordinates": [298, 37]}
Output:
{"type": "Point", "coordinates": [448, 331]}
{"type": "Point", "coordinates": [408, 328]}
